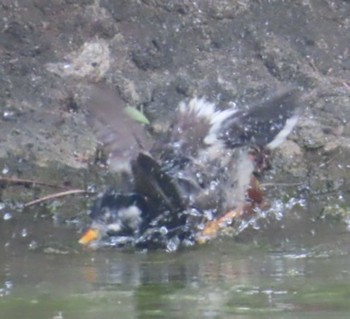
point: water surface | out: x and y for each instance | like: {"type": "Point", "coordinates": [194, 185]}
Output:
{"type": "Point", "coordinates": [296, 268]}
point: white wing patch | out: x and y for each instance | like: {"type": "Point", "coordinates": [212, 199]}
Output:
{"type": "Point", "coordinates": [207, 110]}
{"type": "Point", "coordinates": [282, 135]}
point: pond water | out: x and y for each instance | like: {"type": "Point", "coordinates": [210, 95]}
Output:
{"type": "Point", "coordinates": [295, 268]}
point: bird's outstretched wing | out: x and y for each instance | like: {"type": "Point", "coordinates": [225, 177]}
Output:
{"type": "Point", "coordinates": [121, 136]}
{"type": "Point", "coordinates": [154, 183]}
{"type": "Point", "coordinates": [267, 124]}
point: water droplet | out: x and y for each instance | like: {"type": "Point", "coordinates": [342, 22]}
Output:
{"type": "Point", "coordinates": [208, 214]}
{"type": "Point", "coordinates": [8, 115]}
{"type": "Point", "coordinates": [173, 244]}
{"type": "Point", "coordinates": [58, 316]}
{"type": "Point", "coordinates": [347, 222]}
{"type": "Point", "coordinates": [6, 289]}
{"type": "Point", "coordinates": [7, 216]}
{"type": "Point", "coordinates": [24, 232]}
{"type": "Point", "coordinates": [193, 212]}
{"type": "Point", "coordinates": [188, 243]}
{"type": "Point", "coordinates": [91, 188]}
{"type": "Point", "coordinates": [8, 284]}
{"type": "Point", "coordinates": [5, 170]}
{"type": "Point", "coordinates": [199, 178]}
{"type": "Point", "coordinates": [213, 185]}
{"type": "Point", "coordinates": [163, 230]}
{"type": "Point", "coordinates": [33, 245]}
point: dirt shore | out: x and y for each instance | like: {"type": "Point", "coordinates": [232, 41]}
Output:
{"type": "Point", "coordinates": [157, 53]}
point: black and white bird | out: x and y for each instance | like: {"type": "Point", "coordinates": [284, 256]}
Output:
{"type": "Point", "coordinates": [202, 168]}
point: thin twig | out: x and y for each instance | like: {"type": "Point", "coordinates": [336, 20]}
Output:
{"type": "Point", "coordinates": [281, 184]}
{"type": "Point", "coordinates": [56, 195]}
{"type": "Point", "coordinates": [22, 181]}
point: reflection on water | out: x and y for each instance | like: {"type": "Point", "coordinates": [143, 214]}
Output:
{"type": "Point", "coordinates": [277, 272]}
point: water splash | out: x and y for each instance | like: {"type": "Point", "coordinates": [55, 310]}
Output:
{"type": "Point", "coordinates": [6, 289]}
{"type": "Point", "coordinates": [7, 216]}
{"type": "Point", "coordinates": [24, 233]}
{"type": "Point", "coordinates": [173, 244]}
{"type": "Point", "coordinates": [5, 170]}
{"type": "Point", "coordinates": [277, 210]}
{"type": "Point", "coordinates": [8, 115]}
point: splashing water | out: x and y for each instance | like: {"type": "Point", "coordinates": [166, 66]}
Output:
{"type": "Point", "coordinates": [277, 210]}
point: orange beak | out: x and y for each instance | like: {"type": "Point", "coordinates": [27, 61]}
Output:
{"type": "Point", "coordinates": [90, 235]}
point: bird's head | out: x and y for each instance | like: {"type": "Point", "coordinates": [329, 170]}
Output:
{"type": "Point", "coordinates": [115, 216]}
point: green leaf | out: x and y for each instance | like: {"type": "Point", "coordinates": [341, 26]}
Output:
{"type": "Point", "coordinates": [136, 115]}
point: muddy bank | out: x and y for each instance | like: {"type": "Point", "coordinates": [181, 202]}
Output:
{"type": "Point", "coordinates": [155, 54]}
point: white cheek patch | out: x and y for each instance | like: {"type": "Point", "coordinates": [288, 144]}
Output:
{"type": "Point", "coordinates": [115, 227]}
{"type": "Point", "coordinates": [130, 216]}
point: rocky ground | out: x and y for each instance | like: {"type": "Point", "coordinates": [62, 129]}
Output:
{"type": "Point", "coordinates": [157, 53]}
